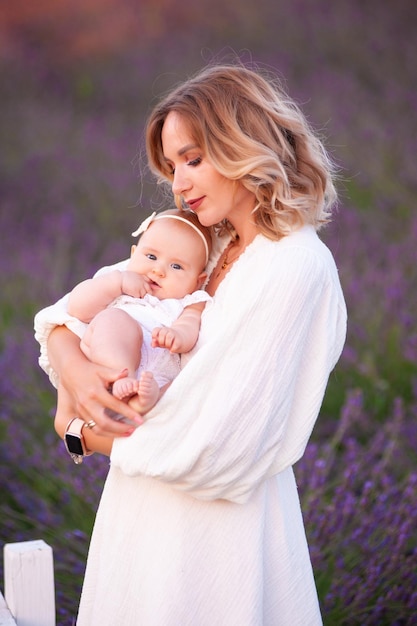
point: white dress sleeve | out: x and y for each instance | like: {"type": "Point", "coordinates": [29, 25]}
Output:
{"type": "Point", "coordinates": [57, 315]}
{"type": "Point", "coordinates": [244, 406]}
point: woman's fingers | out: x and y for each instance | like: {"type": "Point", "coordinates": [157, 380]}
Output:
{"type": "Point", "coordinates": [114, 416]}
{"type": "Point", "coordinates": [98, 404]}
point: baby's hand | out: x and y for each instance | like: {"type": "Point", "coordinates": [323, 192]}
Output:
{"type": "Point", "coordinates": [167, 338]}
{"type": "Point", "coordinates": [134, 284]}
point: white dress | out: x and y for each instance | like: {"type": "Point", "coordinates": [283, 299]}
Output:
{"type": "Point", "coordinates": [200, 523]}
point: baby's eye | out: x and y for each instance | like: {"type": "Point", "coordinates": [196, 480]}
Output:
{"type": "Point", "coordinates": [176, 266]}
{"type": "Point", "coordinates": [150, 256]}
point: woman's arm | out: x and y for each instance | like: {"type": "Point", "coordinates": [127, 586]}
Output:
{"type": "Point", "coordinates": [86, 386]}
{"type": "Point", "coordinates": [95, 443]}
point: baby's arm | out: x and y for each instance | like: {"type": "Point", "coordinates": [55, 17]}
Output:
{"type": "Point", "coordinates": [183, 334]}
{"type": "Point", "coordinates": [95, 294]}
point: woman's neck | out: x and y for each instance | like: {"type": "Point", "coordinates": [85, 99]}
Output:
{"type": "Point", "coordinates": [245, 235]}
{"type": "Point", "coordinates": [231, 254]}
{"type": "Point", "coordinates": [245, 227]}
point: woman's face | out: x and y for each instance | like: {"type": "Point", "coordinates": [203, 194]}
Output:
{"type": "Point", "coordinates": [207, 192]}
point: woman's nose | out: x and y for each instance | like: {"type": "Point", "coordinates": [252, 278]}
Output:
{"type": "Point", "coordinates": [181, 182]}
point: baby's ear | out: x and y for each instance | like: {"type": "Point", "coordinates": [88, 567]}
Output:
{"type": "Point", "coordinates": [201, 279]}
{"type": "Point", "coordinates": [132, 250]}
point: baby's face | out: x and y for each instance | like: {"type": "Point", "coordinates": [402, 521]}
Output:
{"type": "Point", "coordinates": [172, 256]}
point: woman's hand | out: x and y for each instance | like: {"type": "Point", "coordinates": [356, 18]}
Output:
{"type": "Point", "coordinates": [85, 387]}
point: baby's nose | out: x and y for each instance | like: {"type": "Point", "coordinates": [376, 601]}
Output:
{"type": "Point", "coordinates": [158, 270]}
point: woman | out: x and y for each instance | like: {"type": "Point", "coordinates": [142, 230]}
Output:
{"type": "Point", "coordinates": [200, 520]}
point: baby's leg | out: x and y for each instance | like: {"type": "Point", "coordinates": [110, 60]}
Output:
{"type": "Point", "coordinates": [114, 339]}
{"type": "Point", "coordinates": [147, 393]}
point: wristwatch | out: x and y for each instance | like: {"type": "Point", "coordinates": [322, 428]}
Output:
{"type": "Point", "coordinates": [74, 440]}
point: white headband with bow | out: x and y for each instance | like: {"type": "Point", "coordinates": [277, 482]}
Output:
{"type": "Point", "coordinates": [146, 223]}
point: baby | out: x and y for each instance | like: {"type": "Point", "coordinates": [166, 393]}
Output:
{"type": "Point", "coordinates": [140, 318]}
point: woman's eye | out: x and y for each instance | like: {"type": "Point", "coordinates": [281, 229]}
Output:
{"type": "Point", "coordinates": [152, 257]}
{"type": "Point", "coordinates": [176, 266]}
{"type": "Point", "coordinates": [194, 162]}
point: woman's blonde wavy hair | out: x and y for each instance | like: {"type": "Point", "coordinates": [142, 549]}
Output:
{"type": "Point", "coordinates": [252, 132]}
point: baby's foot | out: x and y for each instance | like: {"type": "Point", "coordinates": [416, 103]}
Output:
{"type": "Point", "coordinates": [148, 393]}
{"type": "Point", "coordinates": [125, 388]}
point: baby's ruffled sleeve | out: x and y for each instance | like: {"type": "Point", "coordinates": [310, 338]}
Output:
{"type": "Point", "coordinates": [196, 296]}
{"type": "Point", "coordinates": [45, 321]}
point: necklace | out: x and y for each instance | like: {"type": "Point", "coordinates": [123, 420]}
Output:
{"type": "Point", "coordinates": [226, 261]}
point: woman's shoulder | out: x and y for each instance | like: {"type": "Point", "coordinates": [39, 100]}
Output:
{"type": "Point", "coordinates": [306, 237]}
{"type": "Point", "coordinates": [301, 242]}
{"type": "Point", "coordinates": [299, 256]}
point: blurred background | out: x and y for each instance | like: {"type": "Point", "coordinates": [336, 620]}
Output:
{"type": "Point", "coordinates": [77, 81]}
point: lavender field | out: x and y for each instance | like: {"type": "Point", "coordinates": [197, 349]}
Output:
{"type": "Point", "coordinates": [74, 184]}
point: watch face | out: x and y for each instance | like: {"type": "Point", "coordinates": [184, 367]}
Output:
{"type": "Point", "coordinates": [73, 443]}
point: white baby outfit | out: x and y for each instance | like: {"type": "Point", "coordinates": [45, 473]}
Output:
{"type": "Point", "coordinates": [151, 312]}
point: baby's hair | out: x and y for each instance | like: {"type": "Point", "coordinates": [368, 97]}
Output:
{"type": "Point", "coordinates": [184, 216]}
{"type": "Point", "coordinates": [191, 217]}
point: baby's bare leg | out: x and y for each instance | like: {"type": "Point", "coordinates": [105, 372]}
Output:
{"type": "Point", "coordinates": [114, 339]}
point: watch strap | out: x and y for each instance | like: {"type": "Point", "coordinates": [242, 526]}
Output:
{"type": "Point", "coordinates": [75, 427]}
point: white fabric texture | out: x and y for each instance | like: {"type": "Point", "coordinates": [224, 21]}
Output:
{"type": "Point", "coordinates": [149, 311]}
{"type": "Point", "coordinates": [200, 521]}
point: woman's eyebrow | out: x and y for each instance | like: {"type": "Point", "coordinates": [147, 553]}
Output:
{"type": "Point", "coordinates": [182, 151]}
{"type": "Point", "coordinates": [189, 146]}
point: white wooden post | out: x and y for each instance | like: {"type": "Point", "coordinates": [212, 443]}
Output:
{"type": "Point", "coordinates": [29, 583]}
{"type": "Point", "coordinates": [6, 618]}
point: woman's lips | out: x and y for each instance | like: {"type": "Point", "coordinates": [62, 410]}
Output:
{"type": "Point", "coordinates": [195, 203]}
